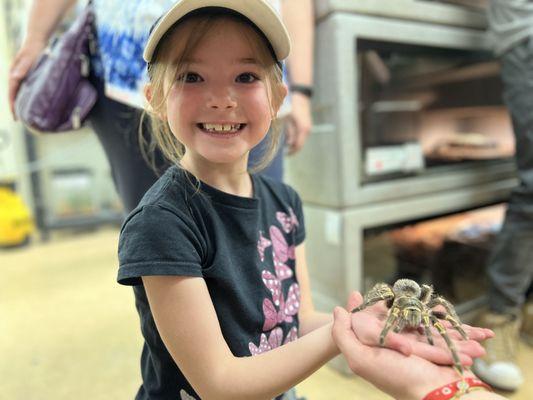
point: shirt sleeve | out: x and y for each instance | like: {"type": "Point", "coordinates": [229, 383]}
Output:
{"type": "Point", "coordinates": [157, 241]}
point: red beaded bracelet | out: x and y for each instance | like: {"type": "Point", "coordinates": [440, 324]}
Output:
{"type": "Point", "coordinates": [456, 389]}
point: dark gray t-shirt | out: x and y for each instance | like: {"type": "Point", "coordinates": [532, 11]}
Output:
{"type": "Point", "coordinates": [510, 22]}
{"type": "Point", "coordinates": [242, 247]}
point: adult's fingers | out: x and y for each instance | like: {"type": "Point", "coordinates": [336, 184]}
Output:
{"type": "Point", "coordinates": [398, 342]}
{"type": "Point", "coordinates": [469, 347]}
{"type": "Point", "coordinates": [477, 333]}
{"type": "Point", "coordinates": [290, 134]}
{"type": "Point", "coordinates": [302, 132]}
{"type": "Point", "coordinates": [18, 71]}
{"type": "Point", "coordinates": [440, 355]}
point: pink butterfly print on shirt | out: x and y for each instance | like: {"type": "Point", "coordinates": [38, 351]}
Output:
{"type": "Point", "coordinates": [273, 284]}
{"type": "Point", "coordinates": [288, 222]}
{"type": "Point", "coordinates": [292, 335]}
{"type": "Point", "coordinates": [262, 244]}
{"type": "Point", "coordinates": [274, 340]}
{"type": "Point", "coordinates": [185, 396]}
{"type": "Point", "coordinates": [287, 309]}
{"type": "Point", "coordinates": [281, 252]}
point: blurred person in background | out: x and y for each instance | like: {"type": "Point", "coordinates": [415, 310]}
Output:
{"type": "Point", "coordinates": [119, 74]}
{"type": "Point", "coordinates": [510, 266]}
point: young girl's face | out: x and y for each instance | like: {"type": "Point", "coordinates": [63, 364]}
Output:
{"type": "Point", "coordinates": [219, 108]}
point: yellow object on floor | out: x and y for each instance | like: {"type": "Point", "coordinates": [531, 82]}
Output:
{"type": "Point", "coordinates": [16, 222]}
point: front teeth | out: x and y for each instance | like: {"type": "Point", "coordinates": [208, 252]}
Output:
{"type": "Point", "coordinates": [221, 128]}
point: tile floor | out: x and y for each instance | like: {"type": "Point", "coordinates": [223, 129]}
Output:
{"type": "Point", "coordinates": [68, 331]}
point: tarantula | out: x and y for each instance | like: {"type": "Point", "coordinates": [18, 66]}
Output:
{"type": "Point", "coordinates": [411, 305]}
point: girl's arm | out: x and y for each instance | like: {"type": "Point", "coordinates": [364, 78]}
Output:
{"type": "Point", "coordinates": [43, 19]}
{"type": "Point", "coordinates": [188, 324]}
{"type": "Point", "coordinates": [309, 318]}
{"type": "Point", "coordinates": [369, 326]}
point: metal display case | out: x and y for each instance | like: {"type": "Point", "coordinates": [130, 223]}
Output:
{"type": "Point", "coordinates": [71, 182]}
{"type": "Point", "coordinates": [414, 10]}
{"type": "Point", "coordinates": [328, 173]}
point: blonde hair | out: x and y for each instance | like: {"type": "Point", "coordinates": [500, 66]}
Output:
{"type": "Point", "coordinates": [166, 66]}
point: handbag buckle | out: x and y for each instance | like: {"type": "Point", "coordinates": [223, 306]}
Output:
{"type": "Point", "coordinates": [76, 118]}
{"type": "Point", "coordinates": [85, 63]}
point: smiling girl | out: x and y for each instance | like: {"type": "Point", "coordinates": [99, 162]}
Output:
{"type": "Point", "coordinates": [216, 254]}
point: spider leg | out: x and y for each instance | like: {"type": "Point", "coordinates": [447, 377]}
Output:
{"type": "Point", "coordinates": [391, 320]}
{"type": "Point", "coordinates": [399, 326]}
{"type": "Point", "coordinates": [451, 315]}
{"type": "Point", "coordinates": [426, 293]}
{"type": "Point", "coordinates": [426, 322]}
{"type": "Point", "coordinates": [380, 291]}
{"type": "Point", "coordinates": [456, 362]}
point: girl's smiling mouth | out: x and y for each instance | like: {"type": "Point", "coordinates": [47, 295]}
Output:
{"type": "Point", "coordinates": [225, 130]}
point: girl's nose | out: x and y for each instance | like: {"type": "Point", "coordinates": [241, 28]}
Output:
{"type": "Point", "coordinates": [221, 99]}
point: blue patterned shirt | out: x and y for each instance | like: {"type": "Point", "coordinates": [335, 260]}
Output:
{"type": "Point", "coordinates": [122, 29]}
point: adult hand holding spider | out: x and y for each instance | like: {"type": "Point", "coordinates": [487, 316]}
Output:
{"type": "Point", "coordinates": [402, 377]}
{"type": "Point", "coordinates": [369, 325]}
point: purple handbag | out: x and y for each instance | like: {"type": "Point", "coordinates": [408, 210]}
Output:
{"type": "Point", "coordinates": [56, 95]}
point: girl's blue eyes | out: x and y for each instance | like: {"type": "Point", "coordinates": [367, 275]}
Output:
{"type": "Point", "coordinates": [189, 77]}
{"type": "Point", "coordinates": [192, 77]}
{"type": "Point", "coordinates": [247, 77]}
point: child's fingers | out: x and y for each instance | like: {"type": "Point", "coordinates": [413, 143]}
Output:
{"type": "Point", "coordinates": [342, 325]}
{"type": "Point", "coordinates": [342, 331]}
{"type": "Point", "coordinates": [354, 300]}
{"type": "Point", "coordinates": [345, 338]}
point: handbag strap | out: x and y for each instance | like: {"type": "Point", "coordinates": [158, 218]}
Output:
{"type": "Point", "coordinates": [92, 34]}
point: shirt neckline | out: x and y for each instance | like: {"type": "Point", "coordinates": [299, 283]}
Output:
{"type": "Point", "coordinates": [218, 195]}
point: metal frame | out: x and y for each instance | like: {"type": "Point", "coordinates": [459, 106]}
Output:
{"type": "Point", "coordinates": [332, 157]}
{"type": "Point", "coordinates": [415, 10]}
{"type": "Point", "coordinates": [327, 172]}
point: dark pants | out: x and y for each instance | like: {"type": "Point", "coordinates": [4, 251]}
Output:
{"type": "Point", "coordinates": [510, 267]}
{"type": "Point", "coordinates": [117, 125]}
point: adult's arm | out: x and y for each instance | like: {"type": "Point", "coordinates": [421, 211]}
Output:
{"type": "Point", "coordinates": [298, 16]}
{"type": "Point", "coordinates": [44, 16]}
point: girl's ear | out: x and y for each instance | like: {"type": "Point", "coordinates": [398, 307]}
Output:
{"type": "Point", "coordinates": [149, 95]}
{"type": "Point", "coordinates": [148, 92]}
{"type": "Point", "coordinates": [276, 103]}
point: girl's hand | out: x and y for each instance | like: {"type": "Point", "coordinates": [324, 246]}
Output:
{"type": "Point", "coordinates": [404, 378]}
{"type": "Point", "coordinates": [24, 60]}
{"type": "Point", "coordinates": [368, 324]}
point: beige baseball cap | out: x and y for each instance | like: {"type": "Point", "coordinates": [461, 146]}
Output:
{"type": "Point", "coordinates": [259, 12]}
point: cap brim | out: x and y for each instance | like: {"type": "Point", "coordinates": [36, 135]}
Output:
{"type": "Point", "coordinates": [259, 12]}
